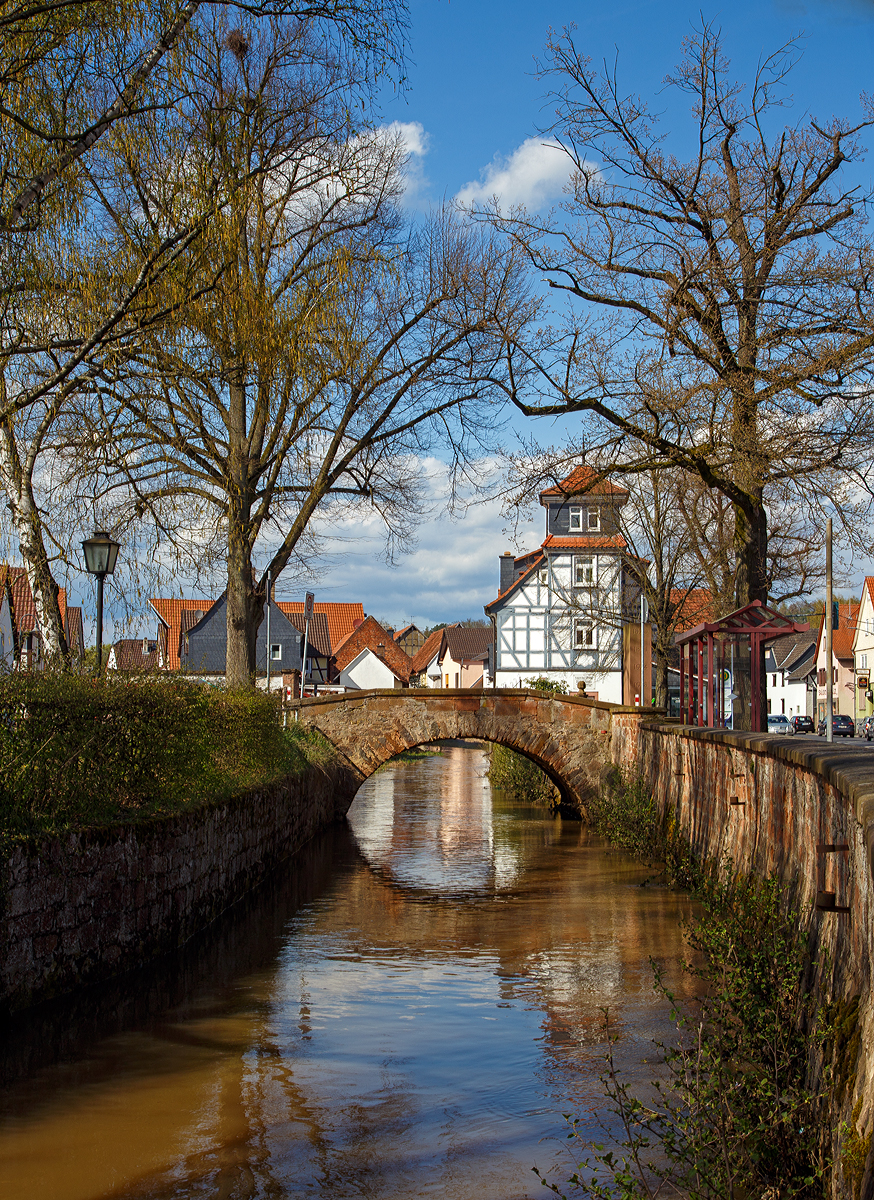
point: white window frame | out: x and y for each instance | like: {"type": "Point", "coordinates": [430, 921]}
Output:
{"type": "Point", "coordinates": [593, 520]}
{"type": "Point", "coordinates": [275, 652]}
{"type": "Point", "coordinates": [582, 624]}
{"type": "Point", "coordinates": [863, 661]}
{"type": "Point", "coordinates": [544, 577]}
{"type": "Point", "coordinates": [579, 560]}
{"type": "Point", "coordinates": [575, 518]}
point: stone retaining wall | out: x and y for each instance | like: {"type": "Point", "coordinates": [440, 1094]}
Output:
{"type": "Point", "coordinates": [768, 803]}
{"type": "Point", "coordinates": [92, 904]}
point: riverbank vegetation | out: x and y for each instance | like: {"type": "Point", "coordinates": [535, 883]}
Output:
{"type": "Point", "coordinates": [518, 776]}
{"type": "Point", "coordinates": [741, 1104]}
{"type": "Point", "coordinates": [78, 751]}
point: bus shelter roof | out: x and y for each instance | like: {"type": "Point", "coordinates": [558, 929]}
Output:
{"type": "Point", "coordinates": [752, 619]}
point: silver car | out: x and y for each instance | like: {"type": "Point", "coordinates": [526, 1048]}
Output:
{"type": "Point", "coordinates": [778, 723]}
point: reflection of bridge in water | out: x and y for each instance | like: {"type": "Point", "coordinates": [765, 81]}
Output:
{"type": "Point", "coordinates": [568, 737]}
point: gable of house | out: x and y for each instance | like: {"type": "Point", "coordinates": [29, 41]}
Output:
{"type": "Point", "coordinates": [369, 634]}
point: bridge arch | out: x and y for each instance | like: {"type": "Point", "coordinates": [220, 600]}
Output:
{"type": "Point", "coordinates": [568, 737]}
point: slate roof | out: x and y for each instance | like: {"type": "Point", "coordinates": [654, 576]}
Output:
{"type": "Point", "coordinates": [467, 643]}
{"type": "Point", "coordinates": [526, 574]}
{"type": "Point", "coordinates": [583, 480]}
{"type": "Point", "coordinates": [789, 651]}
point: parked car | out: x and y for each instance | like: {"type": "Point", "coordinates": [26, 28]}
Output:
{"type": "Point", "coordinates": [801, 724]}
{"type": "Point", "coordinates": [777, 723]}
{"type": "Point", "coordinates": [841, 727]}
{"type": "Point", "coordinates": [867, 729]}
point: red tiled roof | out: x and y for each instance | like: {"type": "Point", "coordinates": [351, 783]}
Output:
{"type": "Point", "coordinates": [370, 635]}
{"type": "Point", "coordinates": [695, 607]}
{"type": "Point", "coordinates": [613, 541]}
{"type": "Point", "coordinates": [432, 644]}
{"type": "Point", "coordinates": [844, 636]}
{"type": "Point", "coordinates": [319, 640]}
{"type": "Point", "coordinates": [869, 584]}
{"type": "Point", "coordinates": [525, 575]}
{"type": "Point", "coordinates": [129, 656]}
{"type": "Point", "coordinates": [341, 616]}
{"type": "Point", "coordinates": [23, 607]}
{"type": "Point", "coordinates": [583, 480]}
{"type": "Point", "coordinates": [170, 612]}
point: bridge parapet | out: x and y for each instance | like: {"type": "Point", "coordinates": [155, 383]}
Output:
{"type": "Point", "coordinates": [569, 737]}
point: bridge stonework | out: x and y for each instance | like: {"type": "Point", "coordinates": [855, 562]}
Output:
{"type": "Point", "coordinates": [569, 737]}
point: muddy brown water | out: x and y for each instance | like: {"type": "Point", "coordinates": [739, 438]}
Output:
{"type": "Point", "coordinates": [406, 1011]}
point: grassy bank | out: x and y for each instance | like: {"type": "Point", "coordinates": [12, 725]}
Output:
{"type": "Point", "coordinates": [78, 752]}
{"type": "Point", "coordinates": [742, 1105]}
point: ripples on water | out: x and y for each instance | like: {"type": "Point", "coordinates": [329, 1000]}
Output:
{"type": "Point", "coordinates": [406, 1013]}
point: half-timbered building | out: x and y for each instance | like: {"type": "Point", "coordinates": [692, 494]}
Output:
{"type": "Point", "coordinates": [567, 610]}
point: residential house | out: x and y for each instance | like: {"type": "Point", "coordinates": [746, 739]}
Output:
{"type": "Point", "coordinates": [129, 655]}
{"type": "Point", "coordinates": [863, 651]}
{"type": "Point", "coordinates": [410, 639]}
{"type": "Point", "coordinates": [567, 610]}
{"type": "Point", "coordinates": [464, 657]}
{"type": "Point", "coordinates": [20, 642]}
{"type": "Point", "coordinates": [789, 663]}
{"type": "Point", "coordinates": [841, 669]}
{"type": "Point", "coordinates": [179, 619]}
{"type": "Point", "coordinates": [369, 657]}
{"type": "Point", "coordinates": [426, 667]}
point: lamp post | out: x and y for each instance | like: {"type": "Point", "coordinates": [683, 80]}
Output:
{"type": "Point", "coordinates": [101, 553]}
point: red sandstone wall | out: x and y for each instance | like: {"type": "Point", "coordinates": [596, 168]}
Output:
{"type": "Point", "coordinates": [767, 803]}
{"type": "Point", "coordinates": [92, 904]}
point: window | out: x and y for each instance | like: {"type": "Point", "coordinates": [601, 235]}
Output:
{"type": "Point", "coordinates": [275, 651]}
{"type": "Point", "coordinates": [544, 578]}
{"type": "Point", "coordinates": [575, 522]}
{"type": "Point", "coordinates": [783, 706]}
{"type": "Point", "coordinates": [864, 662]}
{"type": "Point", "coordinates": [584, 634]}
{"type": "Point", "coordinates": [774, 684]}
{"type": "Point", "coordinates": [456, 679]}
{"type": "Point", "coordinates": [584, 570]}
{"type": "Point", "coordinates": [594, 520]}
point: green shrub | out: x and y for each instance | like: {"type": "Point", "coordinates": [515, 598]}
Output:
{"type": "Point", "coordinates": [541, 683]}
{"type": "Point", "coordinates": [733, 1115]}
{"type": "Point", "coordinates": [78, 751]}
{"type": "Point", "coordinates": [626, 814]}
{"type": "Point", "coordinates": [520, 778]}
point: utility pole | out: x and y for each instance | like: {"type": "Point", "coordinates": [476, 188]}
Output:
{"type": "Point", "coordinates": [829, 695]}
{"type": "Point", "coordinates": [309, 601]}
{"type": "Point", "coordinates": [268, 633]}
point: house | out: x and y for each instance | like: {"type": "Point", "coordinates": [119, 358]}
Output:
{"type": "Point", "coordinates": [410, 639]}
{"type": "Point", "coordinates": [863, 651]}
{"type": "Point", "coordinates": [133, 654]}
{"type": "Point", "coordinates": [426, 668]}
{"type": "Point", "coordinates": [789, 662]}
{"type": "Point", "coordinates": [20, 643]}
{"type": "Point", "coordinates": [369, 657]}
{"type": "Point", "coordinates": [841, 668]}
{"type": "Point", "coordinates": [179, 619]}
{"type": "Point", "coordinates": [464, 657]}
{"type": "Point", "coordinates": [567, 610]}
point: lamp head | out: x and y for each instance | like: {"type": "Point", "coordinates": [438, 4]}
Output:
{"type": "Point", "coordinates": [101, 553]}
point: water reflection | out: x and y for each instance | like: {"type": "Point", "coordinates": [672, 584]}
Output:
{"type": "Point", "coordinates": [411, 1021]}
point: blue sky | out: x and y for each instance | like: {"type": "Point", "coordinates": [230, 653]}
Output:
{"type": "Point", "coordinates": [473, 104]}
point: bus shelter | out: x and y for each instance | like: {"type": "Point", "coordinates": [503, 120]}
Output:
{"type": "Point", "coordinates": [709, 649]}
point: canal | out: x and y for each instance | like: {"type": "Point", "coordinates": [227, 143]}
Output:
{"type": "Point", "coordinates": [407, 1012]}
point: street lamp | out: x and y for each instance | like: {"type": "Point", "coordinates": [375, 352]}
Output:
{"type": "Point", "coordinates": [101, 553]}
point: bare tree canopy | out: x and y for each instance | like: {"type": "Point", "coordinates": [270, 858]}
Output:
{"type": "Point", "coordinates": [717, 307]}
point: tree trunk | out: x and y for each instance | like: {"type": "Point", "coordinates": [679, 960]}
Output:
{"type": "Point", "coordinates": [751, 548]}
{"type": "Point", "coordinates": [244, 606]}
{"type": "Point", "coordinates": [28, 527]}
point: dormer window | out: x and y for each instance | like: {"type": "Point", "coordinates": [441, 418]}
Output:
{"type": "Point", "coordinates": [594, 519]}
{"type": "Point", "coordinates": [575, 523]}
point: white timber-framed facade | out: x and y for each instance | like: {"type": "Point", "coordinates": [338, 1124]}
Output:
{"type": "Point", "coordinates": [567, 611]}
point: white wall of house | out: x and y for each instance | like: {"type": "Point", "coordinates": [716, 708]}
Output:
{"type": "Point", "coordinates": [843, 685]}
{"type": "Point", "coordinates": [863, 650]}
{"type": "Point", "coordinates": [433, 678]}
{"type": "Point", "coordinates": [785, 696]}
{"type": "Point", "coordinates": [7, 642]}
{"type": "Point", "coordinates": [366, 670]}
{"type": "Point", "coordinates": [563, 623]}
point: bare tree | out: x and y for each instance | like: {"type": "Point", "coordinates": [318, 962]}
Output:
{"type": "Point", "coordinates": [326, 351]}
{"type": "Point", "coordinates": [75, 74]}
{"type": "Point", "coordinates": [723, 315]}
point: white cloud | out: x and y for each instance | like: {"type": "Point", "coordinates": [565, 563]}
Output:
{"type": "Point", "coordinates": [533, 175]}
{"type": "Point", "coordinates": [414, 139]}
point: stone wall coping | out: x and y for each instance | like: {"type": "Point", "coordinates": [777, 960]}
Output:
{"type": "Point", "coordinates": [405, 694]}
{"type": "Point", "coordinates": [850, 774]}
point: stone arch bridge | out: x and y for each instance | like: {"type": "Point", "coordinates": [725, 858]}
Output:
{"type": "Point", "coordinates": [569, 737]}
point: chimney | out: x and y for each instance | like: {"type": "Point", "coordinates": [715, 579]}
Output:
{"type": "Point", "coordinates": [508, 564]}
